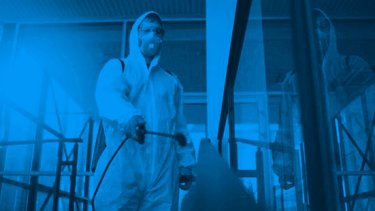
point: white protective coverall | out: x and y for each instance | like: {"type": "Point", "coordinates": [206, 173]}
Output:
{"type": "Point", "coordinates": [339, 71]}
{"type": "Point", "coordinates": [142, 176]}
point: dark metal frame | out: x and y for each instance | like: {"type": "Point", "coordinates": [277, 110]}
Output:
{"type": "Point", "coordinates": [32, 197]}
{"type": "Point", "coordinates": [318, 139]}
{"type": "Point", "coordinates": [69, 162]}
{"type": "Point", "coordinates": [346, 197]}
{"type": "Point", "coordinates": [3, 151]}
{"type": "Point", "coordinates": [320, 165]}
{"type": "Point", "coordinates": [239, 30]}
{"type": "Point", "coordinates": [321, 161]}
{"type": "Point", "coordinates": [227, 111]}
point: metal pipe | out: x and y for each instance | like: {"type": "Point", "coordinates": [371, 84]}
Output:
{"type": "Point", "coordinates": [37, 151]}
{"type": "Point", "coordinates": [46, 141]}
{"type": "Point", "coordinates": [73, 178]}
{"type": "Point", "coordinates": [179, 137]}
{"type": "Point", "coordinates": [42, 188]}
{"type": "Point", "coordinates": [159, 134]}
{"type": "Point", "coordinates": [88, 162]}
{"type": "Point", "coordinates": [58, 177]}
{"type": "Point", "coordinates": [320, 165]}
{"type": "Point", "coordinates": [44, 173]}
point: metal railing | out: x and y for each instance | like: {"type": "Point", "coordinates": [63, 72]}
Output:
{"type": "Point", "coordinates": [64, 159]}
{"type": "Point", "coordinates": [227, 110]}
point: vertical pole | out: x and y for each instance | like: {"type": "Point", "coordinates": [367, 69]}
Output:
{"type": "Point", "coordinates": [282, 199]}
{"type": "Point", "coordinates": [124, 38]}
{"type": "Point", "coordinates": [58, 177]}
{"type": "Point", "coordinates": [73, 178]}
{"type": "Point", "coordinates": [367, 121]}
{"type": "Point", "coordinates": [304, 176]}
{"type": "Point", "coordinates": [342, 159]}
{"type": "Point", "coordinates": [4, 138]}
{"type": "Point", "coordinates": [365, 113]}
{"type": "Point", "coordinates": [264, 136]}
{"type": "Point", "coordinates": [274, 198]}
{"type": "Point", "coordinates": [320, 165]}
{"type": "Point", "coordinates": [220, 146]}
{"type": "Point", "coordinates": [260, 180]}
{"type": "Point", "coordinates": [298, 181]}
{"type": "Point", "coordinates": [32, 197]}
{"type": "Point", "coordinates": [238, 36]}
{"type": "Point", "coordinates": [233, 155]}
{"type": "Point", "coordinates": [338, 160]}
{"type": "Point", "coordinates": [4, 111]}
{"type": "Point", "coordinates": [88, 163]}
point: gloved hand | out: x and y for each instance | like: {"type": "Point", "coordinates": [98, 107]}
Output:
{"type": "Point", "coordinates": [181, 139]}
{"type": "Point", "coordinates": [135, 128]}
{"type": "Point", "coordinates": [186, 178]}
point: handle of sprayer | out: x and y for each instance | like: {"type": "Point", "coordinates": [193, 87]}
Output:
{"type": "Point", "coordinates": [179, 137]}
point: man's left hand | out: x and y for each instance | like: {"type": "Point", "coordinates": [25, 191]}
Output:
{"type": "Point", "coordinates": [186, 178]}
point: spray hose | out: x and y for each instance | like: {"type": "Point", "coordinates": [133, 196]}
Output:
{"type": "Point", "coordinates": [179, 137]}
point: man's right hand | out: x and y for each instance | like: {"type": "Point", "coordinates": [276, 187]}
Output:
{"type": "Point", "coordinates": [135, 127]}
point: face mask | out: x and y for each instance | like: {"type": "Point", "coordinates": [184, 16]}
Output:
{"type": "Point", "coordinates": [322, 29]}
{"type": "Point", "coordinates": [150, 44]}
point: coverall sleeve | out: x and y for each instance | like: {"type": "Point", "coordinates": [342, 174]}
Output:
{"type": "Point", "coordinates": [110, 96]}
{"type": "Point", "coordinates": [350, 81]}
{"type": "Point", "coordinates": [185, 154]}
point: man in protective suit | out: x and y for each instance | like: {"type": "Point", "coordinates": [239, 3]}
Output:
{"type": "Point", "coordinates": [135, 93]}
{"type": "Point", "coordinates": [340, 75]}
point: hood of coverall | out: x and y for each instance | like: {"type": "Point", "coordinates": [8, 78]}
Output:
{"type": "Point", "coordinates": [135, 55]}
{"type": "Point", "coordinates": [331, 55]}
{"type": "Point", "coordinates": [136, 68]}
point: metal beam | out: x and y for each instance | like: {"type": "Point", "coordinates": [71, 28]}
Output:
{"type": "Point", "coordinates": [73, 178]}
{"type": "Point", "coordinates": [368, 147]}
{"type": "Point", "coordinates": [123, 38]}
{"type": "Point", "coordinates": [4, 109]}
{"type": "Point", "coordinates": [3, 151]}
{"type": "Point", "coordinates": [343, 163]}
{"type": "Point", "coordinates": [356, 173]}
{"type": "Point", "coordinates": [238, 34]}
{"type": "Point", "coordinates": [88, 162]}
{"type": "Point", "coordinates": [42, 188]}
{"type": "Point", "coordinates": [333, 18]}
{"type": "Point", "coordinates": [356, 146]}
{"type": "Point", "coordinates": [233, 148]}
{"type": "Point", "coordinates": [281, 147]}
{"type": "Point", "coordinates": [43, 173]}
{"type": "Point", "coordinates": [320, 165]}
{"type": "Point", "coordinates": [45, 141]}
{"type": "Point", "coordinates": [99, 20]}
{"type": "Point", "coordinates": [363, 195]}
{"type": "Point", "coordinates": [247, 173]}
{"type": "Point", "coordinates": [37, 153]}
{"type": "Point", "coordinates": [261, 188]}
{"type": "Point", "coordinates": [31, 117]}
{"type": "Point", "coordinates": [58, 177]}
{"type": "Point", "coordinates": [340, 163]}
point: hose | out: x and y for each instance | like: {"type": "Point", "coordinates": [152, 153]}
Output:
{"type": "Point", "coordinates": [179, 137]}
{"type": "Point", "coordinates": [105, 171]}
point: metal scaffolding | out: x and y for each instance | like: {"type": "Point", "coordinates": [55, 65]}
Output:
{"type": "Point", "coordinates": [346, 196]}
{"type": "Point", "coordinates": [65, 159]}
